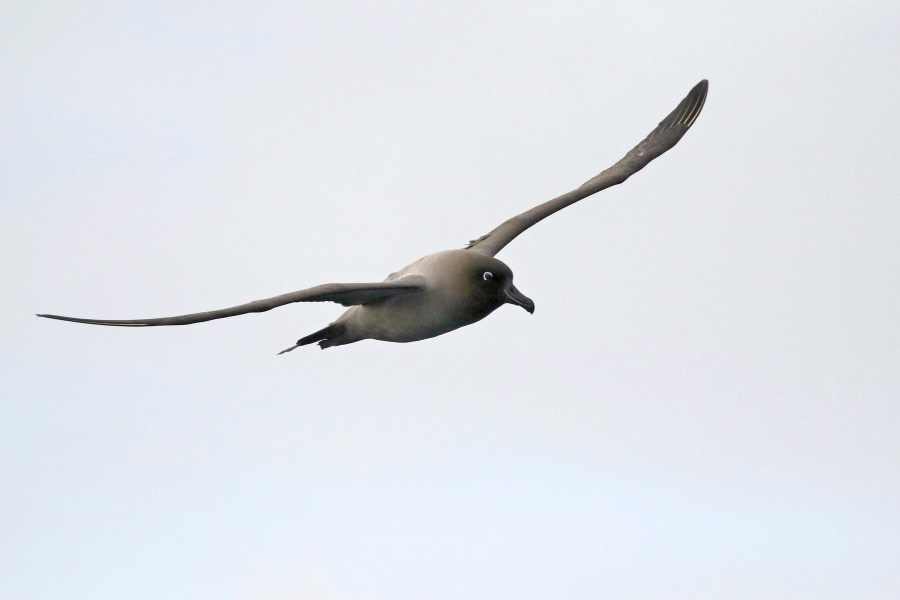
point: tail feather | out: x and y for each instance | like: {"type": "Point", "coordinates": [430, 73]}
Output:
{"type": "Point", "coordinates": [322, 336]}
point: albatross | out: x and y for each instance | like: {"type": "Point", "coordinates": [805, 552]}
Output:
{"type": "Point", "coordinates": [446, 290]}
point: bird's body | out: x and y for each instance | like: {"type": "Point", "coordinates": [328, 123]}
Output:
{"type": "Point", "coordinates": [446, 290]}
{"type": "Point", "coordinates": [458, 288]}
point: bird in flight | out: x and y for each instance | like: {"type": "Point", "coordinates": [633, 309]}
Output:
{"type": "Point", "coordinates": [446, 290]}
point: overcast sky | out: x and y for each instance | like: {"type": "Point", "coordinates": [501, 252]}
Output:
{"type": "Point", "coordinates": [704, 404]}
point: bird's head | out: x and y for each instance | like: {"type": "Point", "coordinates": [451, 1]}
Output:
{"type": "Point", "coordinates": [491, 281]}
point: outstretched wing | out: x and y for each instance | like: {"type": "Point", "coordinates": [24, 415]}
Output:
{"type": "Point", "coordinates": [666, 135]}
{"type": "Point", "coordinates": [348, 294]}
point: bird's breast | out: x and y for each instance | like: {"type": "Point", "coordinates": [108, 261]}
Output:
{"type": "Point", "coordinates": [415, 317]}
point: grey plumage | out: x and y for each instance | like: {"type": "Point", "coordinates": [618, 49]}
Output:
{"type": "Point", "coordinates": [445, 290]}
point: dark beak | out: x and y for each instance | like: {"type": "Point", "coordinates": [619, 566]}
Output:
{"type": "Point", "coordinates": [519, 299]}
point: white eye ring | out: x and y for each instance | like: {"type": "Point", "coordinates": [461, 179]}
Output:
{"type": "Point", "coordinates": [487, 276]}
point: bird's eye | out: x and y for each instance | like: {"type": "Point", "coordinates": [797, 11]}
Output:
{"type": "Point", "coordinates": [487, 276]}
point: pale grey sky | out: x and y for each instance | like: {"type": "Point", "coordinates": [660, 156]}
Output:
{"type": "Point", "coordinates": [704, 404]}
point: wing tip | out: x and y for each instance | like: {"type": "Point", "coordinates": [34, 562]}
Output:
{"type": "Point", "coordinates": [692, 104]}
{"type": "Point", "coordinates": [57, 317]}
{"type": "Point", "coordinates": [698, 96]}
{"type": "Point", "coordinates": [95, 321]}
